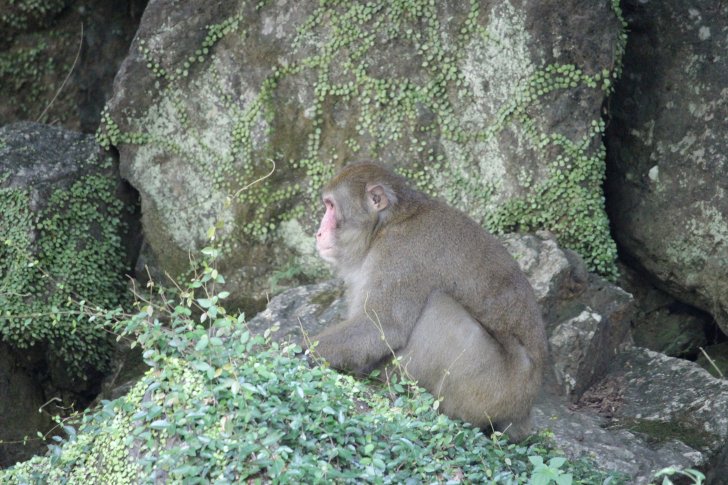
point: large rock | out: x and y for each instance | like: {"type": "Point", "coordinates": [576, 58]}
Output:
{"type": "Point", "coordinates": [667, 162]}
{"type": "Point", "coordinates": [493, 105]}
{"type": "Point", "coordinates": [580, 431]}
{"type": "Point", "coordinates": [674, 405]}
{"type": "Point", "coordinates": [64, 213]}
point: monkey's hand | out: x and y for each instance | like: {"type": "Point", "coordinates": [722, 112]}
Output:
{"type": "Point", "coordinates": [355, 345]}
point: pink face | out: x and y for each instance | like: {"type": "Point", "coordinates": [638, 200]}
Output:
{"type": "Point", "coordinates": [326, 235]}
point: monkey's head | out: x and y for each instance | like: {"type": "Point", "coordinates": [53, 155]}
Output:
{"type": "Point", "coordinates": [359, 200]}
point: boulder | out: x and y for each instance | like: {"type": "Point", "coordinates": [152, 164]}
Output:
{"type": "Point", "coordinates": [65, 212]}
{"type": "Point", "coordinates": [672, 402]}
{"type": "Point", "coordinates": [581, 431]}
{"type": "Point", "coordinates": [232, 115]}
{"type": "Point", "coordinates": [667, 160]}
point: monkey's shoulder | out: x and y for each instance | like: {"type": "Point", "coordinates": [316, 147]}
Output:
{"type": "Point", "coordinates": [436, 231]}
{"type": "Point", "coordinates": [455, 225]}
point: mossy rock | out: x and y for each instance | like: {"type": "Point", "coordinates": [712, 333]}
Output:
{"type": "Point", "coordinates": [234, 115]}
{"type": "Point", "coordinates": [64, 213]}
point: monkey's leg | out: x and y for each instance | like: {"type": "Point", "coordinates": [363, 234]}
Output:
{"type": "Point", "coordinates": [451, 355]}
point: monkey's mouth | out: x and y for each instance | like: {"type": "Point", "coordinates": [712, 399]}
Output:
{"type": "Point", "coordinates": [327, 253]}
{"type": "Point", "coordinates": [324, 249]}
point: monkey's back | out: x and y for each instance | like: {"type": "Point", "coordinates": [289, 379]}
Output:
{"type": "Point", "coordinates": [459, 257]}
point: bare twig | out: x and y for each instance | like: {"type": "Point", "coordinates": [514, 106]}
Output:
{"type": "Point", "coordinates": [259, 179]}
{"type": "Point", "coordinates": [63, 84]}
{"type": "Point", "coordinates": [712, 362]}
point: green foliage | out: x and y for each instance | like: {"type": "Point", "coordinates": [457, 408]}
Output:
{"type": "Point", "coordinates": [20, 14]}
{"type": "Point", "coordinates": [545, 473]}
{"type": "Point", "coordinates": [56, 261]}
{"type": "Point", "coordinates": [221, 405]}
{"type": "Point", "coordinates": [21, 74]}
{"type": "Point", "coordinates": [569, 203]}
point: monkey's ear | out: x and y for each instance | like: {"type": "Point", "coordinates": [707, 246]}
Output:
{"type": "Point", "coordinates": [379, 197]}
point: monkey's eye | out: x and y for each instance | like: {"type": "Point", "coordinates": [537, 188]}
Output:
{"type": "Point", "coordinates": [328, 204]}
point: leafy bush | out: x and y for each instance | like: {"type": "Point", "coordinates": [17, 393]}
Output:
{"type": "Point", "coordinates": [221, 405]}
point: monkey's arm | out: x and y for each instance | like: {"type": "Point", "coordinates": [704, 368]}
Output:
{"type": "Point", "coordinates": [372, 333]}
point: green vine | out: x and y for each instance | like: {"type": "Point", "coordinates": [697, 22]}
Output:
{"type": "Point", "coordinates": [52, 261]}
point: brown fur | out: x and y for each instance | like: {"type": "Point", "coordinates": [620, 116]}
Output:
{"type": "Point", "coordinates": [450, 299]}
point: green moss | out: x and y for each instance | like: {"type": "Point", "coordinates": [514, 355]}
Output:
{"type": "Point", "coordinates": [325, 299]}
{"type": "Point", "coordinates": [18, 15]}
{"type": "Point", "coordinates": [355, 112]}
{"type": "Point", "coordinates": [666, 432]}
{"type": "Point", "coordinates": [26, 70]}
{"type": "Point", "coordinates": [51, 261]}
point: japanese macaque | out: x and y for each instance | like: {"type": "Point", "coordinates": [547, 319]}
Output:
{"type": "Point", "coordinates": [427, 284]}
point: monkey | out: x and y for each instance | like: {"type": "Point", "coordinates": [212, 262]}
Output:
{"type": "Point", "coordinates": [428, 284]}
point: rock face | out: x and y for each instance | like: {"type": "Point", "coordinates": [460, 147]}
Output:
{"type": "Point", "coordinates": [667, 158]}
{"type": "Point", "coordinates": [21, 398]}
{"type": "Point", "coordinates": [58, 58]}
{"type": "Point", "coordinates": [630, 409]}
{"type": "Point", "coordinates": [673, 400]}
{"type": "Point", "coordinates": [234, 114]}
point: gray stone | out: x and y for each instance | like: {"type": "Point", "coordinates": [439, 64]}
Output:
{"type": "Point", "coordinates": [669, 400]}
{"type": "Point", "coordinates": [570, 345]}
{"type": "Point", "coordinates": [299, 313]}
{"type": "Point", "coordinates": [668, 164]}
{"type": "Point", "coordinates": [582, 432]}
